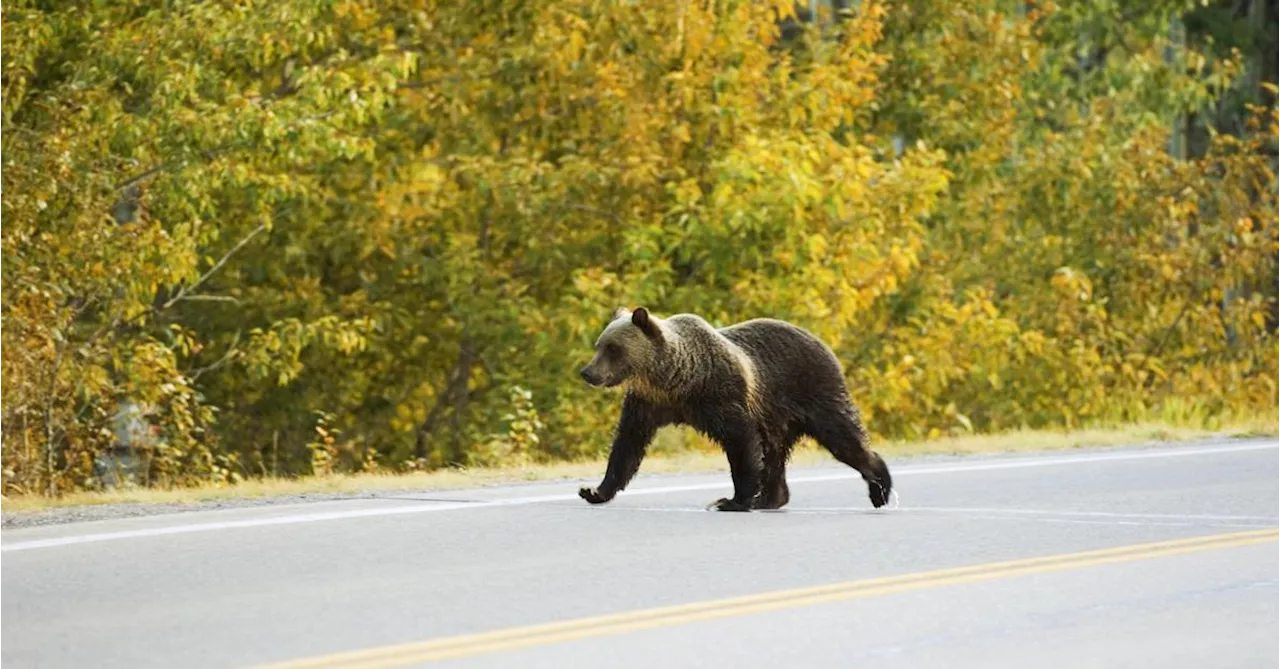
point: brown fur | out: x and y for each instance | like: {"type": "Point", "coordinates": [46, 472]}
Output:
{"type": "Point", "coordinates": [755, 388]}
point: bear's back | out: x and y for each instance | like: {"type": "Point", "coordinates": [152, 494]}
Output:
{"type": "Point", "coordinates": [790, 362]}
{"type": "Point", "coordinates": [774, 339]}
{"type": "Point", "coordinates": [786, 367]}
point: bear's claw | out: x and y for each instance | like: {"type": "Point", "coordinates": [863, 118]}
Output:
{"type": "Point", "coordinates": [724, 504]}
{"type": "Point", "coordinates": [879, 494]}
{"type": "Point", "coordinates": [592, 495]}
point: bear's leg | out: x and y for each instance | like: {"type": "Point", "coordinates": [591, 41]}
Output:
{"type": "Point", "coordinates": [774, 493]}
{"type": "Point", "coordinates": [639, 421]}
{"type": "Point", "coordinates": [745, 468]}
{"type": "Point", "coordinates": [741, 444]}
{"type": "Point", "coordinates": [841, 432]}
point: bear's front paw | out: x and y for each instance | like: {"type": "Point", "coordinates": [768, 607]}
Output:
{"type": "Point", "coordinates": [724, 504]}
{"type": "Point", "coordinates": [593, 495]}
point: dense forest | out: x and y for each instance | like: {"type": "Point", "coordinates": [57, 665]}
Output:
{"type": "Point", "coordinates": [277, 238]}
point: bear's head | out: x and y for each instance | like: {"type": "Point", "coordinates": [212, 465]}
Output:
{"type": "Point", "coordinates": [630, 347]}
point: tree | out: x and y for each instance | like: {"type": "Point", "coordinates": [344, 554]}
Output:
{"type": "Point", "coordinates": [405, 217]}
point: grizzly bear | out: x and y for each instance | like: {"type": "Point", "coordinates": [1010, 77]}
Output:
{"type": "Point", "coordinates": [755, 388]}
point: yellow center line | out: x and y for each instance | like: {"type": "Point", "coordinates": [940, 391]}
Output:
{"type": "Point", "coordinates": [582, 628]}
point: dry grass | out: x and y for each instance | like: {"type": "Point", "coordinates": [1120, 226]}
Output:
{"type": "Point", "coordinates": [663, 460]}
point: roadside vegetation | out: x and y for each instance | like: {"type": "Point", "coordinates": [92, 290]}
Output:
{"type": "Point", "coordinates": [266, 246]}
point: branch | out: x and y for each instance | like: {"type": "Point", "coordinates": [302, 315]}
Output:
{"type": "Point", "coordinates": [182, 293]}
{"type": "Point", "coordinates": [50, 445]}
{"type": "Point", "coordinates": [226, 357]}
{"type": "Point", "coordinates": [587, 209]}
{"type": "Point", "coordinates": [210, 298]}
{"type": "Point", "coordinates": [1168, 333]}
{"type": "Point", "coordinates": [133, 181]}
{"type": "Point", "coordinates": [426, 83]}
{"type": "Point", "coordinates": [121, 320]}
{"type": "Point", "coordinates": [208, 154]}
{"type": "Point", "coordinates": [428, 427]}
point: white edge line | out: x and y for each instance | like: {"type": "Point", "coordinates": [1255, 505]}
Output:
{"type": "Point", "coordinates": [660, 490]}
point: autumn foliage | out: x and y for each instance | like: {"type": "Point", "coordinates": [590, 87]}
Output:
{"type": "Point", "coordinates": [309, 235]}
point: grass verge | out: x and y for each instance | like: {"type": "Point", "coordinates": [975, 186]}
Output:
{"type": "Point", "coordinates": [662, 461]}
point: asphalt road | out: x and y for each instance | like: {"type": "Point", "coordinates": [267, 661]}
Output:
{"type": "Point", "coordinates": [1141, 557]}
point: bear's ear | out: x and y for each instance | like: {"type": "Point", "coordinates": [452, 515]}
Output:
{"type": "Point", "coordinates": [619, 313]}
{"type": "Point", "coordinates": [641, 319]}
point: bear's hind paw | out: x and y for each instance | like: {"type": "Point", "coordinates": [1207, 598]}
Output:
{"type": "Point", "coordinates": [879, 494]}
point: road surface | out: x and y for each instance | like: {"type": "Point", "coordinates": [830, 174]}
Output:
{"type": "Point", "coordinates": [1138, 557]}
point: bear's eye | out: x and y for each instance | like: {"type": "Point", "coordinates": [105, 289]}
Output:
{"type": "Point", "coordinates": [612, 350]}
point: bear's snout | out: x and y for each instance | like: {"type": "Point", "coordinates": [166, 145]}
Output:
{"type": "Point", "coordinates": [597, 379]}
